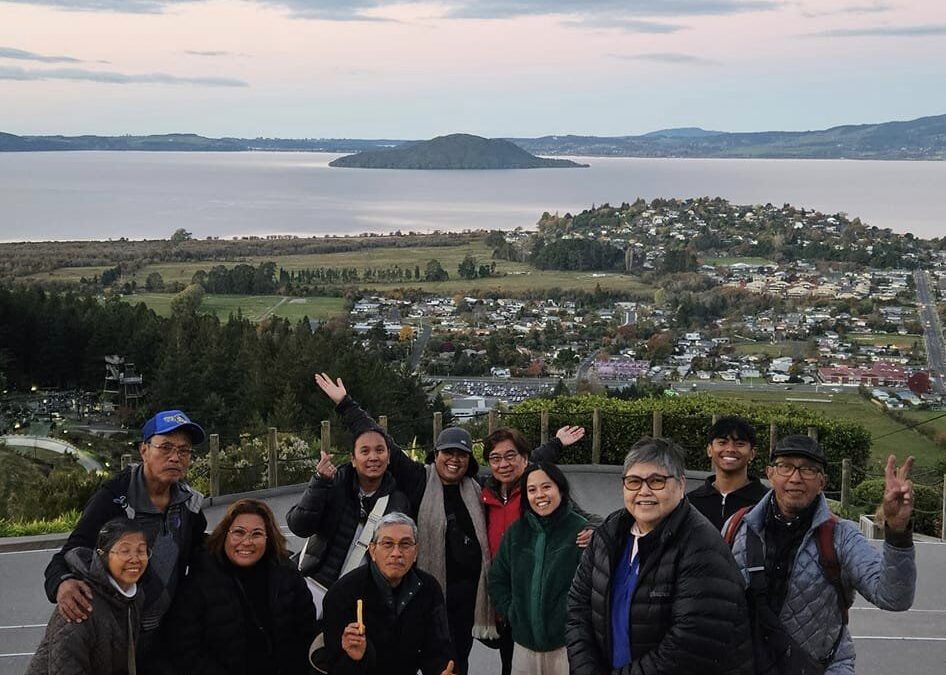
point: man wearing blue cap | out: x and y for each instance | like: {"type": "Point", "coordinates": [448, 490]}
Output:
{"type": "Point", "coordinates": [154, 494]}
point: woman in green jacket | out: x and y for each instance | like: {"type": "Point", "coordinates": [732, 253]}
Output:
{"type": "Point", "coordinates": [533, 570]}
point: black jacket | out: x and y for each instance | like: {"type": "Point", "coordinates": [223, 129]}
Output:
{"type": "Point", "coordinates": [182, 525]}
{"type": "Point", "coordinates": [102, 645]}
{"type": "Point", "coordinates": [331, 510]}
{"type": "Point", "coordinates": [207, 625]}
{"type": "Point", "coordinates": [711, 503]}
{"type": "Point", "coordinates": [688, 613]}
{"type": "Point", "coordinates": [399, 643]}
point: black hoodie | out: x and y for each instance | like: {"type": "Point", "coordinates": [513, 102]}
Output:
{"type": "Point", "coordinates": [718, 507]}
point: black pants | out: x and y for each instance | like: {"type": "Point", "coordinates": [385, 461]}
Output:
{"type": "Point", "coordinates": [461, 606]}
{"type": "Point", "coordinates": [505, 647]}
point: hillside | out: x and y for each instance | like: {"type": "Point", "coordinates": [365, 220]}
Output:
{"type": "Point", "coordinates": [456, 151]}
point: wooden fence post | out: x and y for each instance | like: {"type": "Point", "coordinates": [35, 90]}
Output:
{"type": "Point", "coordinates": [126, 459]}
{"type": "Point", "coordinates": [383, 422]}
{"type": "Point", "coordinates": [438, 424]}
{"type": "Point", "coordinates": [714, 419]}
{"type": "Point", "coordinates": [492, 420]}
{"type": "Point", "coordinates": [773, 438]}
{"type": "Point", "coordinates": [596, 436]}
{"type": "Point", "coordinates": [326, 436]}
{"type": "Point", "coordinates": [813, 433]}
{"type": "Point", "coordinates": [658, 429]}
{"type": "Point", "coordinates": [544, 427]}
{"type": "Point", "coordinates": [845, 484]}
{"type": "Point", "coordinates": [273, 442]}
{"type": "Point", "coordinates": [214, 465]}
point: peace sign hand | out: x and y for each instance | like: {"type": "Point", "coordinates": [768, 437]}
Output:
{"type": "Point", "coordinates": [898, 494]}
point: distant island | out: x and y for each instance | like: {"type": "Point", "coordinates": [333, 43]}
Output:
{"type": "Point", "coordinates": [455, 151]}
{"type": "Point", "coordinates": [919, 139]}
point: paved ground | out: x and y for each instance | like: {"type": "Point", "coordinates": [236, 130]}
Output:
{"type": "Point", "coordinates": [886, 642]}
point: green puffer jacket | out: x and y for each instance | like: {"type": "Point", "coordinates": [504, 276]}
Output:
{"type": "Point", "coordinates": [530, 576]}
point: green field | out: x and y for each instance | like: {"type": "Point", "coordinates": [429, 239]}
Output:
{"type": "Point", "coordinates": [901, 441]}
{"type": "Point", "coordinates": [787, 348]}
{"type": "Point", "coordinates": [512, 277]}
{"type": "Point", "coordinates": [884, 339]}
{"type": "Point", "coordinates": [254, 307]}
{"type": "Point", "coordinates": [70, 274]}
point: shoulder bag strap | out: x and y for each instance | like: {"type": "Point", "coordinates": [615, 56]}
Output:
{"type": "Point", "coordinates": [357, 553]}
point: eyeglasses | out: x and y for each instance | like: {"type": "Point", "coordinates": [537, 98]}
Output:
{"type": "Point", "coordinates": [128, 554]}
{"type": "Point", "coordinates": [807, 471]}
{"type": "Point", "coordinates": [388, 545]}
{"type": "Point", "coordinates": [165, 450]}
{"type": "Point", "coordinates": [509, 458]}
{"type": "Point", "coordinates": [655, 482]}
{"type": "Point", "coordinates": [254, 536]}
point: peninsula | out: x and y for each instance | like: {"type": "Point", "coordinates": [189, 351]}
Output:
{"type": "Point", "coordinates": [456, 151]}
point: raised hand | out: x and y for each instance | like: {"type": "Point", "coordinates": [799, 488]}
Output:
{"type": "Point", "coordinates": [354, 642]}
{"type": "Point", "coordinates": [568, 435]}
{"type": "Point", "coordinates": [898, 494]}
{"type": "Point", "coordinates": [334, 390]}
{"type": "Point", "coordinates": [449, 669]}
{"type": "Point", "coordinates": [325, 468]}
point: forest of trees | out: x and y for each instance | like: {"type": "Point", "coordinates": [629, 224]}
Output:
{"type": "Point", "coordinates": [233, 376]}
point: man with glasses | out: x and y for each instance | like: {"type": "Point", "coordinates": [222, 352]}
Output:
{"type": "Point", "coordinates": [388, 616]}
{"type": "Point", "coordinates": [154, 494]}
{"type": "Point", "coordinates": [803, 565]}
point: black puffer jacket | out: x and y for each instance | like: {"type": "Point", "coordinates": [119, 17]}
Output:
{"type": "Point", "coordinates": [207, 622]}
{"type": "Point", "coordinates": [330, 509]}
{"type": "Point", "coordinates": [688, 613]}
{"type": "Point", "coordinates": [102, 645]}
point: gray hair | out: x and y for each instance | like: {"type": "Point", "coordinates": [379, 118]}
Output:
{"type": "Point", "coordinates": [394, 518]}
{"type": "Point", "coordinates": [661, 451]}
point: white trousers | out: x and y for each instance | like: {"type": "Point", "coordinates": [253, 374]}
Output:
{"type": "Point", "coordinates": [527, 662]}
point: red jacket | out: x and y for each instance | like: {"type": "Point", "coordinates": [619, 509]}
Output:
{"type": "Point", "coordinates": [499, 515]}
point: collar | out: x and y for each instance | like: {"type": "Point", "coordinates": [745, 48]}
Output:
{"type": "Point", "coordinates": [139, 501]}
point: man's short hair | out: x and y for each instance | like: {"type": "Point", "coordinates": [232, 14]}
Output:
{"type": "Point", "coordinates": [660, 451]}
{"type": "Point", "coordinates": [394, 518]}
{"type": "Point", "coordinates": [734, 427]}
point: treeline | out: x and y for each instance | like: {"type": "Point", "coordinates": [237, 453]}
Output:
{"type": "Point", "coordinates": [19, 259]}
{"type": "Point", "coordinates": [576, 255]}
{"type": "Point", "coordinates": [233, 376]}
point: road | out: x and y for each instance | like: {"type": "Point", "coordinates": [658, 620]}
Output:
{"type": "Point", "coordinates": [886, 642]}
{"type": "Point", "coordinates": [932, 330]}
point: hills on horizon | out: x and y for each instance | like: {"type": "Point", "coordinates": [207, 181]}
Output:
{"type": "Point", "coordinates": [454, 151]}
{"type": "Point", "coordinates": [919, 139]}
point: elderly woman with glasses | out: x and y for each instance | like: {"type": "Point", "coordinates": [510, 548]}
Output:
{"type": "Point", "coordinates": [105, 643]}
{"type": "Point", "coordinates": [388, 616]}
{"type": "Point", "coordinates": [657, 591]}
{"type": "Point", "coordinates": [244, 608]}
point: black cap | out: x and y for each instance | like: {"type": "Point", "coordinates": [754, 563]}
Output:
{"type": "Point", "coordinates": [455, 438]}
{"type": "Point", "coordinates": [798, 445]}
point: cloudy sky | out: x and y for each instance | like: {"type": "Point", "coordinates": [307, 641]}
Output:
{"type": "Point", "coordinates": [401, 69]}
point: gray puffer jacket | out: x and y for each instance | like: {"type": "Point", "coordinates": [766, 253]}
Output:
{"type": "Point", "coordinates": [811, 613]}
{"type": "Point", "coordinates": [103, 644]}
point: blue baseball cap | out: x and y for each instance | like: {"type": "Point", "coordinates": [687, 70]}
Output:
{"type": "Point", "coordinates": [167, 421]}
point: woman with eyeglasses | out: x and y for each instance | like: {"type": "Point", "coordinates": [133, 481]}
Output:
{"type": "Point", "coordinates": [533, 570]}
{"type": "Point", "coordinates": [104, 644]}
{"type": "Point", "coordinates": [244, 609]}
{"type": "Point", "coordinates": [657, 591]}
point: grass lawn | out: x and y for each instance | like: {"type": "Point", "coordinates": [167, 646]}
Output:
{"type": "Point", "coordinates": [791, 348]}
{"type": "Point", "coordinates": [254, 307]}
{"type": "Point", "coordinates": [853, 407]}
{"type": "Point", "coordinates": [514, 277]}
{"type": "Point", "coordinates": [70, 274]}
{"type": "Point", "coordinates": [884, 339]}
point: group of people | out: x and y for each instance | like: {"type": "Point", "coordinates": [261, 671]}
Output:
{"type": "Point", "coordinates": [405, 564]}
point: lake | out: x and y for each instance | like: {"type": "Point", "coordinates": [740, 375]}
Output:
{"type": "Point", "coordinates": [148, 195]}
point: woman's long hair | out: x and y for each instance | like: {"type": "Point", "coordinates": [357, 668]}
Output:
{"type": "Point", "coordinates": [553, 472]}
{"type": "Point", "coordinates": [275, 541]}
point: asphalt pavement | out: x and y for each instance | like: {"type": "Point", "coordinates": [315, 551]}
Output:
{"type": "Point", "coordinates": [913, 641]}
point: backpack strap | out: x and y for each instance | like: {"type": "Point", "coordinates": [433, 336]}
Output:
{"type": "Point", "coordinates": [733, 526]}
{"type": "Point", "coordinates": [830, 564]}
